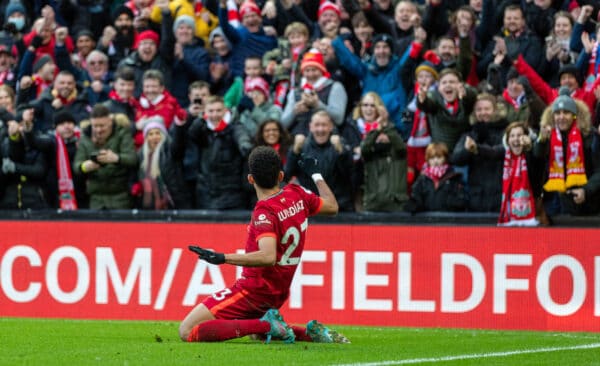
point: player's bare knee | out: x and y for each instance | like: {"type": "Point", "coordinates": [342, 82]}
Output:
{"type": "Point", "coordinates": [184, 332]}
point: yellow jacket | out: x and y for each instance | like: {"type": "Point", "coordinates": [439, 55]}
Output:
{"type": "Point", "coordinates": [186, 7]}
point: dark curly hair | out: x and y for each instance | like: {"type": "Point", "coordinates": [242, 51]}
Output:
{"type": "Point", "coordinates": [264, 164]}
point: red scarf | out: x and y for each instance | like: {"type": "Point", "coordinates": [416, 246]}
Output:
{"type": "Point", "coordinates": [516, 103]}
{"type": "Point", "coordinates": [419, 135]}
{"type": "Point", "coordinates": [277, 147]}
{"type": "Point", "coordinates": [66, 188]}
{"type": "Point", "coordinates": [116, 97]}
{"type": "Point", "coordinates": [40, 85]}
{"type": "Point", "coordinates": [435, 173]}
{"type": "Point", "coordinates": [575, 168]}
{"type": "Point", "coordinates": [366, 127]}
{"type": "Point", "coordinates": [452, 107]}
{"type": "Point", "coordinates": [281, 90]}
{"type": "Point", "coordinates": [518, 203]}
{"type": "Point", "coordinates": [222, 123]}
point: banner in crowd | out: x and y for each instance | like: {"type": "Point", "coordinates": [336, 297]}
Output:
{"type": "Point", "coordinates": [421, 276]}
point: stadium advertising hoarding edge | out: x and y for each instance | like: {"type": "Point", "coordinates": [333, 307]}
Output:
{"type": "Point", "coordinates": [465, 277]}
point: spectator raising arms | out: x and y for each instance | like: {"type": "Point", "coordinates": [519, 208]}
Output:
{"type": "Point", "coordinates": [518, 196]}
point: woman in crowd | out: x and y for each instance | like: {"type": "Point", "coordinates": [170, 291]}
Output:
{"type": "Point", "coordinates": [271, 133]}
{"type": "Point", "coordinates": [518, 206]}
{"type": "Point", "coordinates": [161, 183]}
{"type": "Point", "coordinates": [384, 155]}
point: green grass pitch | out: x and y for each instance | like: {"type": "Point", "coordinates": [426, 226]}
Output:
{"type": "Point", "coordinates": [81, 342]}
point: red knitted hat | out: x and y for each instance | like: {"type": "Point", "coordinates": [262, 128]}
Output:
{"type": "Point", "coordinates": [328, 5]}
{"type": "Point", "coordinates": [256, 83]}
{"type": "Point", "coordinates": [147, 34]}
{"type": "Point", "coordinates": [249, 6]}
{"type": "Point", "coordinates": [313, 58]}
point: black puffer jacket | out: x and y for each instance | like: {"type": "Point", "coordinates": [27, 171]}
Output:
{"type": "Point", "coordinates": [221, 182]}
{"type": "Point", "coordinates": [23, 189]}
{"type": "Point", "coordinates": [335, 167]}
{"type": "Point", "coordinates": [448, 196]}
{"type": "Point", "coordinates": [485, 166]}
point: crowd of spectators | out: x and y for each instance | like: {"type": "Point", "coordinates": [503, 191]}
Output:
{"type": "Point", "coordinates": [424, 105]}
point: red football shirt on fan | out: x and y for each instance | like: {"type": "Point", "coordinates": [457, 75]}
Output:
{"type": "Point", "coordinates": [283, 216]}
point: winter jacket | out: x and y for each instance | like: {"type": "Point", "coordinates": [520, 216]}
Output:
{"type": "Point", "coordinates": [108, 187]}
{"type": "Point", "coordinates": [332, 99]}
{"type": "Point", "coordinates": [44, 111]}
{"type": "Point", "coordinates": [191, 67]}
{"type": "Point", "coordinates": [446, 127]}
{"type": "Point", "coordinates": [335, 167]}
{"type": "Point", "coordinates": [485, 166]}
{"type": "Point", "coordinates": [186, 7]}
{"type": "Point", "coordinates": [526, 45]}
{"type": "Point", "coordinates": [385, 81]}
{"type": "Point", "coordinates": [385, 171]}
{"type": "Point", "coordinates": [118, 107]}
{"type": "Point", "coordinates": [23, 189]}
{"type": "Point", "coordinates": [562, 203]}
{"type": "Point", "coordinates": [221, 182]}
{"type": "Point", "coordinates": [244, 43]}
{"type": "Point", "coordinates": [449, 195]}
{"type": "Point", "coordinates": [251, 119]}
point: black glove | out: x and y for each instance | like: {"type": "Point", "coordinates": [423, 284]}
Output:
{"type": "Point", "coordinates": [36, 41]}
{"type": "Point", "coordinates": [11, 28]}
{"type": "Point", "coordinates": [309, 165]}
{"type": "Point", "coordinates": [208, 255]}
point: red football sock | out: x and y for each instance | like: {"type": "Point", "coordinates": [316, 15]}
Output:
{"type": "Point", "coordinates": [300, 333]}
{"type": "Point", "coordinates": [222, 330]}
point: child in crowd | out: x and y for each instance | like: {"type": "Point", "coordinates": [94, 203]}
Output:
{"type": "Point", "coordinates": [283, 62]}
{"type": "Point", "coordinates": [257, 90]}
{"type": "Point", "coordinates": [426, 77]}
{"type": "Point", "coordinates": [439, 187]}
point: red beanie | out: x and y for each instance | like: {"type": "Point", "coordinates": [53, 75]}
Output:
{"type": "Point", "coordinates": [313, 58]}
{"type": "Point", "coordinates": [249, 6]}
{"type": "Point", "coordinates": [328, 5]}
{"type": "Point", "coordinates": [257, 83]}
{"type": "Point", "coordinates": [147, 34]}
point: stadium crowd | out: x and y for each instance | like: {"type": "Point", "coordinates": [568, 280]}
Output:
{"type": "Point", "coordinates": [435, 105]}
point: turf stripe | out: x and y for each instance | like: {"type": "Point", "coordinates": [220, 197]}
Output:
{"type": "Point", "coordinates": [474, 356]}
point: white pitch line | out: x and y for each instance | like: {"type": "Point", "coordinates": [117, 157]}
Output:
{"type": "Point", "coordinates": [473, 356]}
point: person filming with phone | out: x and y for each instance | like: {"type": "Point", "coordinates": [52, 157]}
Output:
{"type": "Point", "coordinates": [106, 158]}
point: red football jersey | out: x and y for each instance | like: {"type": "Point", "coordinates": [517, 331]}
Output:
{"type": "Point", "coordinates": [283, 216]}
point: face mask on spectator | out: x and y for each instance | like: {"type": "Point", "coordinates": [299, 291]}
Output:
{"type": "Point", "coordinates": [18, 22]}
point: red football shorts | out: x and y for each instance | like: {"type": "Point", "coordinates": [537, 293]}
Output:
{"type": "Point", "coordinates": [236, 302]}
